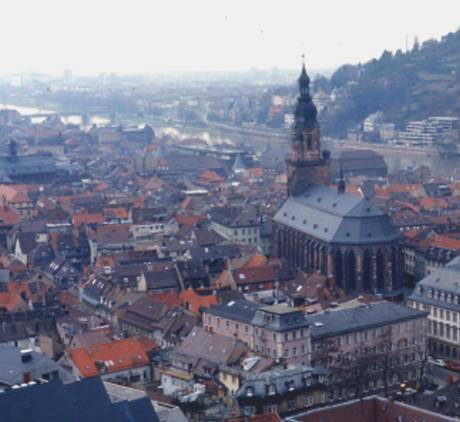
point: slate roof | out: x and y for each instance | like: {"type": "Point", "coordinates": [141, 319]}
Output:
{"type": "Point", "coordinates": [280, 317]}
{"type": "Point", "coordinates": [281, 379]}
{"type": "Point", "coordinates": [361, 160]}
{"type": "Point", "coordinates": [445, 279]}
{"type": "Point", "coordinates": [334, 217]}
{"type": "Point", "coordinates": [167, 279]}
{"type": "Point", "coordinates": [238, 310]}
{"type": "Point", "coordinates": [343, 321]}
{"type": "Point", "coordinates": [234, 217]}
{"type": "Point", "coordinates": [27, 165]}
{"type": "Point", "coordinates": [230, 250]}
{"type": "Point", "coordinates": [211, 346]}
{"type": "Point", "coordinates": [81, 401]}
{"type": "Point", "coordinates": [12, 368]}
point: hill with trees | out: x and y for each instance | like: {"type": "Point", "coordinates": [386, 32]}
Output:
{"type": "Point", "coordinates": [404, 86]}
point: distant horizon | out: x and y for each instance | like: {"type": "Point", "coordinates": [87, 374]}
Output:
{"type": "Point", "coordinates": [142, 38]}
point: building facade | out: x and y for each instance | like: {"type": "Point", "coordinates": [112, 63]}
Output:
{"type": "Point", "coordinates": [439, 295]}
{"type": "Point", "coordinates": [276, 331]}
{"type": "Point", "coordinates": [369, 348]}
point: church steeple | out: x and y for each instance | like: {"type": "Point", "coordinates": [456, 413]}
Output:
{"type": "Point", "coordinates": [305, 134]}
{"type": "Point", "coordinates": [304, 80]}
{"type": "Point", "coordinates": [307, 163]}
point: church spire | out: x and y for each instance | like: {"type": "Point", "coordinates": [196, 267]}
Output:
{"type": "Point", "coordinates": [304, 80]}
{"type": "Point", "coordinates": [305, 112]}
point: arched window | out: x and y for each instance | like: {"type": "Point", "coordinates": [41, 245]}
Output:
{"type": "Point", "coordinates": [350, 271]}
{"type": "Point", "coordinates": [367, 270]}
{"type": "Point", "coordinates": [309, 142]}
{"type": "Point", "coordinates": [338, 271]}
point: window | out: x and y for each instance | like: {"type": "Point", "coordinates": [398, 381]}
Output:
{"type": "Point", "coordinates": [291, 404]}
{"type": "Point", "coordinates": [249, 391]}
{"type": "Point", "coordinates": [250, 410]}
{"type": "Point", "coordinates": [271, 408]}
{"type": "Point", "coordinates": [308, 400]}
{"type": "Point", "coordinates": [271, 389]}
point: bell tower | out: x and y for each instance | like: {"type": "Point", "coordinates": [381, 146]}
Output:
{"type": "Point", "coordinates": [307, 163]}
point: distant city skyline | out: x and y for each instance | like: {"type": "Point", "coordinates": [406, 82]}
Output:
{"type": "Point", "coordinates": [142, 36]}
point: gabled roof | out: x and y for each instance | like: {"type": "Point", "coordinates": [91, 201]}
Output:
{"type": "Point", "coordinates": [115, 356]}
{"type": "Point", "coordinates": [261, 274]}
{"type": "Point", "coordinates": [211, 346]}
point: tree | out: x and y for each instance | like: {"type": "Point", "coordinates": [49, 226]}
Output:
{"type": "Point", "coordinates": [371, 364]}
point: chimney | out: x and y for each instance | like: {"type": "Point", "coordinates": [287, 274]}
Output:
{"type": "Point", "coordinates": [26, 378]}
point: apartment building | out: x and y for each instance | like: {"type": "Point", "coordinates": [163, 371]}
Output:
{"type": "Point", "coordinates": [439, 295]}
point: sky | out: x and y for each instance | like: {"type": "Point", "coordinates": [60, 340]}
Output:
{"type": "Point", "coordinates": [150, 36]}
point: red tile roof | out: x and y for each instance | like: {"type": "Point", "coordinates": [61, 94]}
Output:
{"type": "Point", "coordinates": [193, 301]}
{"type": "Point", "coordinates": [8, 216]}
{"type": "Point", "coordinates": [209, 176]}
{"type": "Point", "coordinates": [433, 203]}
{"type": "Point", "coordinates": [117, 355]}
{"type": "Point", "coordinates": [190, 220]}
{"type": "Point", "coordinates": [168, 298]}
{"type": "Point", "coordinates": [80, 219]}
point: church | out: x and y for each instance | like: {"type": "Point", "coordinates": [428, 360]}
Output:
{"type": "Point", "coordinates": [320, 229]}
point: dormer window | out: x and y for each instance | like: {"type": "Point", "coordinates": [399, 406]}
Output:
{"type": "Point", "coordinates": [308, 381]}
{"type": "Point", "coordinates": [271, 389]}
{"type": "Point", "coordinates": [290, 385]}
{"type": "Point", "coordinates": [249, 392]}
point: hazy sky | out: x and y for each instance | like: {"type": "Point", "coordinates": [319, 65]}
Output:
{"type": "Point", "coordinates": [144, 36]}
